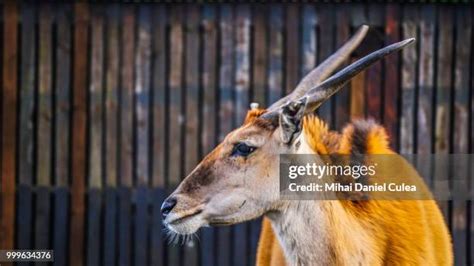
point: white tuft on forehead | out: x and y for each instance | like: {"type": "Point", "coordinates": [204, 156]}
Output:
{"type": "Point", "coordinates": [254, 106]}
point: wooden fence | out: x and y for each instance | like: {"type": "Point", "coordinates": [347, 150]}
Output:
{"type": "Point", "coordinates": [106, 107]}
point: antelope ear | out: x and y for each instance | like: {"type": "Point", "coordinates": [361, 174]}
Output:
{"type": "Point", "coordinates": [291, 116]}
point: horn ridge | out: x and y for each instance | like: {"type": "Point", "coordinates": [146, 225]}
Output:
{"type": "Point", "coordinates": [320, 93]}
{"type": "Point", "coordinates": [326, 68]}
{"type": "Point", "coordinates": [323, 91]}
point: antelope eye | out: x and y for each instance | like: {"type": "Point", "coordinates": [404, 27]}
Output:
{"type": "Point", "coordinates": [242, 149]}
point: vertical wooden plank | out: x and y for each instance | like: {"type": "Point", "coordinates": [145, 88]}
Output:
{"type": "Point", "coordinates": [471, 204]}
{"type": "Point", "coordinates": [391, 75]}
{"type": "Point", "coordinates": [209, 112]}
{"type": "Point", "coordinates": [242, 86]}
{"type": "Point", "coordinates": [126, 94]}
{"type": "Point", "coordinates": [358, 83]}
{"type": "Point", "coordinates": [96, 97]}
{"type": "Point", "coordinates": [471, 236]}
{"type": "Point", "coordinates": [192, 88]}
{"type": "Point", "coordinates": [126, 132]}
{"type": "Point", "coordinates": [45, 96]}
{"type": "Point", "coordinates": [158, 92]}
{"type": "Point", "coordinates": [94, 214]}
{"type": "Point", "coordinates": [425, 91]}
{"type": "Point", "coordinates": [9, 106]}
{"type": "Point", "coordinates": [242, 62]}
{"type": "Point", "coordinates": [225, 71]}
{"type": "Point", "coordinates": [259, 92]}
{"type": "Point", "coordinates": [124, 237]}
{"type": "Point", "coordinates": [44, 118]}
{"type": "Point", "coordinates": [275, 65]}
{"type": "Point", "coordinates": [226, 111]}
{"type": "Point", "coordinates": [111, 133]}
{"type": "Point", "coordinates": [444, 79]}
{"type": "Point", "coordinates": [62, 112]}
{"type": "Point", "coordinates": [26, 127]}
{"type": "Point", "coordinates": [76, 247]}
{"type": "Point", "coordinates": [1, 93]}
{"type": "Point", "coordinates": [158, 243]}
{"type": "Point", "coordinates": [357, 96]}
{"type": "Point", "coordinates": [291, 47]}
{"type": "Point", "coordinates": [176, 114]}
{"type": "Point", "coordinates": [60, 240]}
{"type": "Point", "coordinates": [176, 95]}
{"type": "Point", "coordinates": [461, 129]}
{"type": "Point", "coordinates": [209, 79]}
{"type": "Point", "coordinates": [142, 94]}
{"type": "Point", "coordinates": [142, 112]}
{"type": "Point", "coordinates": [409, 62]}
{"type": "Point", "coordinates": [27, 94]}
{"type": "Point", "coordinates": [140, 245]}
{"type": "Point", "coordinates": [326, 19]}
{"type": "Point", "coordinates": [110, 227]}
{"type": "Point", "coordinates": [63, 94]}
{"type": "Point", "coordinates": [111, 93]}
{"type": "Point", "coordinates": [309, 46]}
{"type": "Point", "coordinates": [374, 72]}
{"type": "Point", "coordinates": [259, 62]}
{"type": "Point", "coordinates": [42, 218]}
{"type": "Point", "coordinates": [425, 79]}
{"type": "Point", "coordinates": [342, 98]}
{"type": "Point", "coordinates": [192, 95]}
{"type": "Point", "coordinates": [159, 95]}
{"type": "Point", "coordinates": [95, 135]}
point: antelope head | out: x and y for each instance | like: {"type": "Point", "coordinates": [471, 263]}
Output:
{"type": "Point", "coordinates": [239, 180]}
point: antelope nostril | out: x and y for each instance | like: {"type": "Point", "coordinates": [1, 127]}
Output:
{"type": "Point", "coordinates": [167, 206]}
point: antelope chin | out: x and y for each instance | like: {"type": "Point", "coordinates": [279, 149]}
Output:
{"type": "Point", "coordinates": [185, 225]}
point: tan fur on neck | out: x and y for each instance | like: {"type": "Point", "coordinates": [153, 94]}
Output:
{"type": "Point", "coordinates": [369, 232]}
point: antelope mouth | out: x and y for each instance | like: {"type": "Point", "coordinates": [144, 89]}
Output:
{"type": "Point", "coordinates": [220, 223]}
{"type": "Point", "coordinates": [186, 223]}
{"type": "Point", "coordinates": [225, 220]}
{"type": "Point", "coordinates": [184, 217]}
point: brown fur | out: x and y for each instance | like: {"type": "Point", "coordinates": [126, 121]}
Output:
{"type": "Point", "coordinates": [403, 232]}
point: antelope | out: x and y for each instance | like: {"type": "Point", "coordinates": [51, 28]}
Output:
{"type": "Point", "coordinates": [239, 181]}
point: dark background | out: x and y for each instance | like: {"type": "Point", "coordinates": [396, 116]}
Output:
{"type": "Point", "coordinates": [106, 107]}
